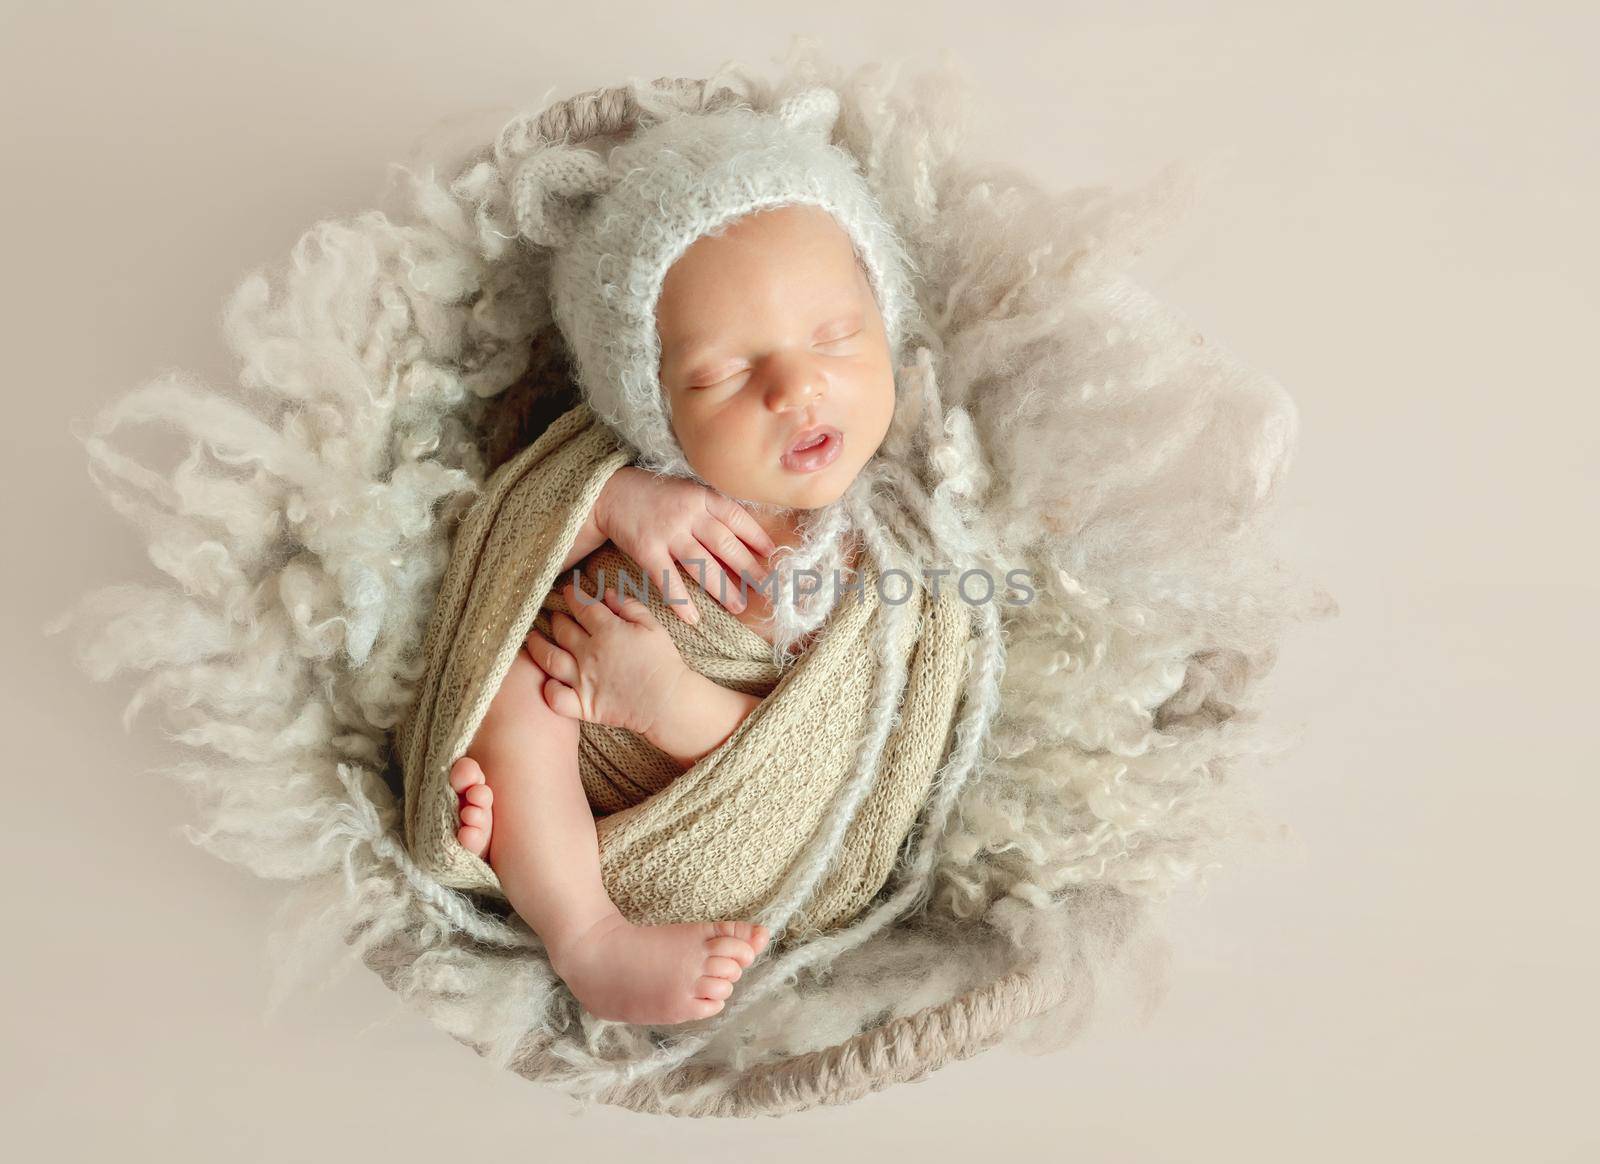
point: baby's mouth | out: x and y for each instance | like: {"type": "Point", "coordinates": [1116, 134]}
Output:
{"type": "Point", "coordinates": [813, 449]}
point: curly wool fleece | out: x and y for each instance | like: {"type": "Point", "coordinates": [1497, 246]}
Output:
{"type": "Point", "coordinates": [617, 225]}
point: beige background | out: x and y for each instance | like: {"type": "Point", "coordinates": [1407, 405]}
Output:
{"type": "Point", "coordinates": [1406, 238]}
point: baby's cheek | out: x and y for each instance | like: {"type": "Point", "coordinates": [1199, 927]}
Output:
{"type": "Point", "coordinates": [730, 463]}
{"type": "Point", "coordinates": [704, 448]}
{"type": "Point", "coordinates": [879, 390]}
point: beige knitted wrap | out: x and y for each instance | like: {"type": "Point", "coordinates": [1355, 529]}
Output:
{"type": "Point", "coordinates": [715, 841]}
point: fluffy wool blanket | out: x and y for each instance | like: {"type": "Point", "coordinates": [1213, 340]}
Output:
{"type": "Point", "coordinates": [1098, 438]}
{"type": "Point", "coordinates": [723, 839]}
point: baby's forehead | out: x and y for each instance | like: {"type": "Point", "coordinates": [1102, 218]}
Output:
{"type": "Point", "coordinates": [697, 295]}
{"type": "Point", "coordinates": [844, 273]}
{"type": "Point", "coordinates": [799, 227]}
{"type": "Point", "coordinates": [839, 300]}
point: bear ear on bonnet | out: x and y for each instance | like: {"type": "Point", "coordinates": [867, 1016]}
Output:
{"type": "Point", "coordinates": [552, 188]}
{"type": "Point", "coordinates": [812, 111]}
{"type": "Point", "coordinates": [555, 185]}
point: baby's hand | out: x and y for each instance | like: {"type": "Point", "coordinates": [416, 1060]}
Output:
{"type": "Point", "coordinates": [658, 520]}
{"type": "Point", "coordinates": [613, 663]}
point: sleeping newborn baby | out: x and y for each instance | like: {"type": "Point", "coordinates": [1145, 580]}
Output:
{"type": "Point", "coordinates": [776, 384]}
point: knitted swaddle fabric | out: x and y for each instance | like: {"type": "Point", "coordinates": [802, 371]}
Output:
{"type": "Point", "coordinates": [714, 841]}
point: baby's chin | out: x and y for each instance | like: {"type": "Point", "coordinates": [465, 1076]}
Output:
{"type": "Point", "coordinates": [785, 490]}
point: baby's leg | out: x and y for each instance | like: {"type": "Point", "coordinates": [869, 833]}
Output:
{"type": "Point", "coordinates": [543, 847]}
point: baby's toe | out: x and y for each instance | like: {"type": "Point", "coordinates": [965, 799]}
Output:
{"type": "Point", "coordinates": [481, 795]}
{"type": "Point", "coordinates": [749, 932]}
{"type": "Point", "coordinates": [742, 930]}
{"type": "Point", "coordinates": [465, 773]}
{"type": "Point", "coordinates": [472, 839]}
{"type": "Point", "coordinates": [720, 967]}
{"type": "Point", "coordinates": [701, 1008]}
{"type": "Point", "coordinates": [737, 949]}
{"type": "Point", "coordinates": [473, 815]}
{"type": "Point", "coordinates": [712, 987]}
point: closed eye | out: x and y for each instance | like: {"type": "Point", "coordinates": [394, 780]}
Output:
{"type": "Point", "coordinates": [715, 383]}
{"type": "Point", "coordinates": [842, 338]}
{"type": "Point", "coordinates": [734, 375]}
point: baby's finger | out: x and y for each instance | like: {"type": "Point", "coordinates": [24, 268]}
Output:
{"type": "Point", "coordinates": [562, 700]}
{"type": "Point", "coordinates": [588, 609]}
{"type": "Point", "coordinates": [725, 544]}
{"type": "Point", "coordinates": [673, 593]}
{"type": "Point", "coordinates": [630, 608]}
{"type": "Point", "coordinates": [566, 631]}
{"type": "Point", "coordinates": [719, 584]}
{"type": "Point", "coordinates": [739, 519]}
{"type": "Point", "coordinates": [552, 659]}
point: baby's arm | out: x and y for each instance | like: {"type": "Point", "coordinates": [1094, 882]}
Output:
{"type": "Point", "coordinates": [700, 715]}
{"type": "Point", "coordinates": [609, 661]}
{"type": "Point", "coordinates": [590, 538]}
{"type": "Point", "coordinates": [644, 516]}
{"type": "Point", "coordinates": [657, 520]}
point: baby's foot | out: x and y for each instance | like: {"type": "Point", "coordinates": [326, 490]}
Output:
{"type": "Point", "coordinates": [475, 803]}
{"type": "Point", "coordinates": [658, 975]}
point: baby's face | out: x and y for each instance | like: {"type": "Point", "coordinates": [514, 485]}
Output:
{"type": "Point", "coordinates": [770, 331]}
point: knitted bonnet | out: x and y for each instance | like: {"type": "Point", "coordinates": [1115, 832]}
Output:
{"type": "Point", "coordinates": [616, 224]}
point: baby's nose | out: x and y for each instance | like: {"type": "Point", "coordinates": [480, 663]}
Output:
{"type": "Point", "coordinates": [795, 388]}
